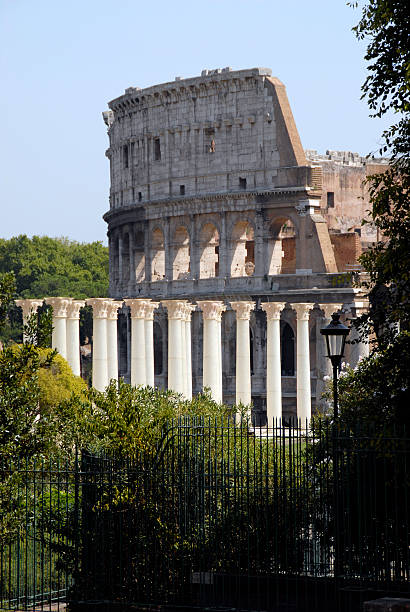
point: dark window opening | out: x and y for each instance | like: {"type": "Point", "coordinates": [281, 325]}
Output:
{"type": "Point", "coordinates": [288, 351]}
{"type": "Point", "coordinates": [242, 183]}
{"type": "Point", "coordinates": [251, 349]}
{"type": "Point", "coordinates": [182, 190]}
{"type": "Point", "coordinates": [217, 261]}
{"type": "Point", "coordinates": [158, 350]}
{"type": "Point", "coordinates": [139, 196]}
{"type": "Point", "coordinates": [330, 199]}
{"type": "Point", "coordinates": [358, 231]}
{"type": "Point", "coordinates": [250, 251]}
{"type": "Point", "coordinates": [125, 156]}
{"type": "Point", "coordinates": [157, 149]}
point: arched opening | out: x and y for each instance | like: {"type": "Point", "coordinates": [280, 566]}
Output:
{"type": "Point", "coordinates": [288, 351]}
{"type": "Point", "coordinates": [181, 258]}
{"type": "Point", "coordinates": [126, 258]}
{"type": "Point", "coordinates": [282, 247]}
{"type": "Point", "coordinates": [157, 255]}
{"type": "Point", "coordinates": [139, 257]}
{"type": "Point", "coordinates": [158, 349]}
{"type": "Point", "coordinates": [209, 246]}
{"type": "Point", "coordinates": [242, 250]}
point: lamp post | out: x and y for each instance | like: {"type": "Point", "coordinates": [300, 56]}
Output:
{"type": "Point", "coordinates": [335, 334]}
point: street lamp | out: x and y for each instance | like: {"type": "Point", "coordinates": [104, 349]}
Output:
{"type": "Point", "coordinates": [335, 334]}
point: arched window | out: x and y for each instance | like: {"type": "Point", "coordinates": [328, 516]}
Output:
{"type": "Point", "coordinates": [139, 257]}
{"type": "Point", "coordinates": [181, 256]}
{"type": "Point", "coordinates": [288, 351]}
{"type": "Point", "coordinates": [242, 250]}
{"type": "Point", "coordinates": [282, 247]}
{"type": "Point", "coordinates": [158, 349]}
{"type": "Point", "coordinates": [157, 255]}
{"type": "Point", "coordinates": [209, 261]}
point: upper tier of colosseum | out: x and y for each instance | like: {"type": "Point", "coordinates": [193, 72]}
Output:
{"type": "Point", "coordinates": [223, 131]}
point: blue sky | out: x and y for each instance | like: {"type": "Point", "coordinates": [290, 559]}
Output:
{"type": "Point", "coordinates": [61, 62]}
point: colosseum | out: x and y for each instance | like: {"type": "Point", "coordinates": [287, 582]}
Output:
{"type": "Point", "coordinates": [220, 218]}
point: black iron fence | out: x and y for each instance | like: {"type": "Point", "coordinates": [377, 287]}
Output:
{"type": "Point", "coordinates": [213, 515]}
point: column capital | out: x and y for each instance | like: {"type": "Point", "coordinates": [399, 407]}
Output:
{"type": "Point", "coordinates": [149, 310]}
{"type": "Point", "coordinates": [73, 309]}
{"type": "Point", "coordinates": [243, 309]}
{"type": "Point", "coordinates": [28, 306]}
{"type": "Point", "coordinates": [175, 308]}
{"type": "Point", "coordinates": [112, 310]}
{"type": "Point", "coordinates": [59, 305]}
{"type": "Point", "coordinates": [138, 307]}
{"type": "Point", "coordinates": [189, 309]}
{"type": "Point", "coordinates": [302, 310]}
{"type": "Point", "coordinates": [99, 306]}
{"type": "Point", "coordinates": [329, 309]}
{"type": "Point", "coordinates": [212, 310]}
{"type": "Point", "coordinates": [273, 310]}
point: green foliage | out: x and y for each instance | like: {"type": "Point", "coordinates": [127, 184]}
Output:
{"type": "Point", "coordinates": [126, 421]}
{"type": "Point", "coordinates": [385, 25]}
{"type": "Point", "coordinates": [46, 266]}
{"type": "Point", "coordinates": [7, 292]}
{"type": "Point", "coordinates": [56, 381]}
{"type": "Point", "coordinates": [377, 391]}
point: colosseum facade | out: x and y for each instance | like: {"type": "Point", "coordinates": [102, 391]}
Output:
{"type": "Point", "coordinates": [213, 199]}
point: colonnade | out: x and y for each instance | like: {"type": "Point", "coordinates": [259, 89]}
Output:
{"type": "Point", "coordinates": [105, 354]}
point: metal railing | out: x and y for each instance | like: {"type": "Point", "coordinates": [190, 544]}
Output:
{"type": "Point", "coordinates": [214, 515]}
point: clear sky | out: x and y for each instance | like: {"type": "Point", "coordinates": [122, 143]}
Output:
{"type": "Point", "coordinates": [61, 62]}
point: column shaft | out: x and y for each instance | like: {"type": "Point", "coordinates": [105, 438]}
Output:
{"type": "Point", "coordinates": [100, 370]}
{"type": "Point", "coordinates": [138, 371]}
{"type": "Point", "coordinates": [73, 336]}
{"type": "Point", "coordinates": [212, 362]}
{"type": "Point", "coordinates": [112, 340]}
{"type": "Point", "coordinates": [149, 343]}
{"type": "Point", "coordinates": [243, 352]}
{"type": "Point", "coordinates": [303, 389]}
{"type": "Point", "coordinates": [273, 362]}
{"type": "Point", "coordinates": [59, 335]}
{"type": "Point", "coordinates": [176, 314]}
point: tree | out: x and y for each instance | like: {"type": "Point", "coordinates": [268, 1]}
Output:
{"type": "Point", "coordinates": [45, 266]}
{"type": "Point", "coordinates": [55, 266]}
{"type": "Point", "coordinates": [385, 23]}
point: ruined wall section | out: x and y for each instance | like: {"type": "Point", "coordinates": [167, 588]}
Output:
{"type": "Point", "coordinates": [210, 134]}
{"type": "Point", "coordinates": [345, 199]}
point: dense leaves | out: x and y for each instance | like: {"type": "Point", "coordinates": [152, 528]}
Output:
{"type": "Point", "coordinates": [46, 266]}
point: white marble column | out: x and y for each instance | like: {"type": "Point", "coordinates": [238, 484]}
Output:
{"type": "Point", "coordinates": [324, 366]}
{"type": "Point", "coordinates": [176, 359]}
{"type": "Point", "coordinates": [360, 348]}
{"type": "Point", "coordinates": [303, 389]}
{"type": "Point", "coordinates": [73, 335]}
{"type": "Point", "coordinates": [149, 342]}
{"type": "Point", "coordinates": [28, 307]}
{"type": "Point", "coordinates": [273, 361]}
{"type": "Point", "coordinates": [59, 337]}
{"type": "Point", "coordinates": [188, 349]}
{"type": "Point", "coordinates": [243, 352]}
{"type": "Point", "coordinates": [212, 363]}
{"type": "Point", "coordinates": [112, 340]}
{"type": "Point", "coordinates": [100, 370]}
{"type": "Point", "coordinates": [138, 361]}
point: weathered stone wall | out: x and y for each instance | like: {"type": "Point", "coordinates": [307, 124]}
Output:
{"type": "Point", "coordinates": [347, 249]}
{"type": "Point", "coordinates": [345, 199]}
